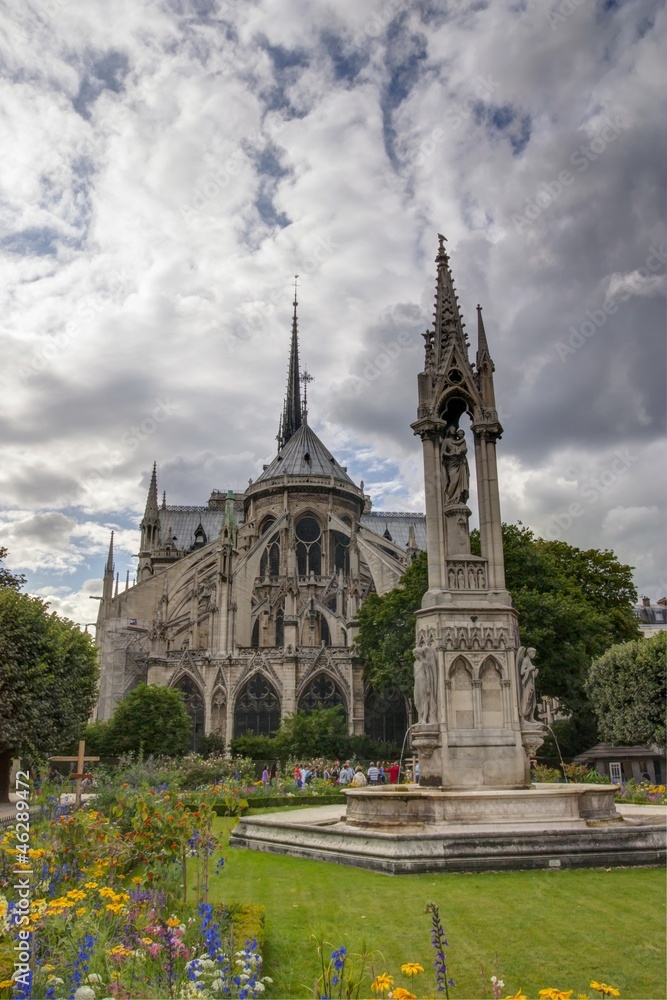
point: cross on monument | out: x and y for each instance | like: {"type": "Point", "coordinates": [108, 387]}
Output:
{"type": "Point", "coordinates": [305, 378]}
{"type": "Point", "coordinates": [79, 775]}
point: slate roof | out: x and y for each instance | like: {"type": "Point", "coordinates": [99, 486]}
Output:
{"type": "Point", "coordinates": [305, 455]}
{"type": "Point", "coordinates": [397, 523]}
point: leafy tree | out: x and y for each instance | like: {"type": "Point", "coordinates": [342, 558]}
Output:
{"type": "Point", "coordinates": [48, 677]}
{"type": "Point", "coordinates": [319, 733]}
{"type": "Point", "coordinates": [627, 686]}
{"type": "Point", "coordinates": [573, 604]}
{"type": "Point", "coordinates": [7, 578]}
{"type": "Point", "coordinates": [151, 719]}
{"type": "Point", "coordinates": [387, 630]}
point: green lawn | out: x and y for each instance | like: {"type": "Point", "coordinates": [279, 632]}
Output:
{"type": "Point", "coordinates": [547, 928]}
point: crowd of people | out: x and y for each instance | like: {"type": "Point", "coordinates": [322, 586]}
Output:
{"type": "Point", "coordinates": [345, 774]}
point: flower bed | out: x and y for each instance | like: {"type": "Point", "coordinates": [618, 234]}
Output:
{"type": "Point", "coordinates": [117, 905]}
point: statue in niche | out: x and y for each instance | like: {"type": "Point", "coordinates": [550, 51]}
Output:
{"type": "Point", "coordinates": [527, 673]}
{"type": "Point", "coordinates": [455, 465]}
{"type": "Point", "coordinates": [425, 684]}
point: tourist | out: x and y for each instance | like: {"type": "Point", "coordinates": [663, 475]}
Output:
{"type": "Point", "coordinates": [373, 774]}
{"type": "Point", "coordinates": [394, 772]}
{"type": "Point", "coordinates": [346, 774]}
{"type": "Point", "coordinates": [265, 776]}
{"type": "Point", "coordinates": [359, 779]}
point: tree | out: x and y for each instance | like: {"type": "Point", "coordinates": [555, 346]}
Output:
{"type": "Point", "coordinates": [387, 630]}
{"type": "Point", "coordinates": [573, 604]}
{"type": "Point", "coordinates": [151, 719]}
{"type": "Point", "coordinates": [48, 680]}
{"type": "Point", "coordinates": [627, 687]}
{"type": "Point", "coordinates": [7, 578]}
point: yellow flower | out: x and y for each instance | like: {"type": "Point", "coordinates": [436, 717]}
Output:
{"type": "Point", "coordinates": [382, 982]}
{"type": "Point", "coordinates": [146, 940]}
{"type": "Point", "coordinates": [137, 879]}
{"type": "Point", "coordinates": [518, 996]}
{"type": "Point", "coordinates": [119, 951]}
{"type": "Point", "coordinates": [608, 991]}
{"type": "Point", "coordinates": [106, 892]}
{"type": "Point", "coordinates": [80, 912]}
{"type": "Point", "coordinates": [412, 969]}
{"type": "Point", "coordinates": [554, 994]}
{"type": "Point", "coordinates": [116, 908]}
{"type": "Point", "coordinates": [48, 967]}
{"type": "Point", "coordinates": [91, 885]}
{"type": "Point", "coordinates": [6, 983]}
{"type": "Point", "coordinates": [76, 894]}
{"type": "Point", "coordinates": [173, 922]}
{"type": "Point", "coordinates": [398, 993]}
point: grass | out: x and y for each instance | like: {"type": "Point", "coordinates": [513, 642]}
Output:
{"type": "Point", "coordinates": [548, 928]}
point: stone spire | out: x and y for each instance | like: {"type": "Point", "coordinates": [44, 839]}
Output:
{"type": "Point", "coordinates": [484, 364]}
{"type": "Point", "coordinates": [292, 417]}
{"type": "Point", "coordinates": [107, 583]}
{"type": "Point", "coordinates": [447, 343]}
{"type": "Point", "coordinates": [151, 511]}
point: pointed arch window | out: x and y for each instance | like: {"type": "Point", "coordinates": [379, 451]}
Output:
{"type": "Point", "coordinates": [322, 692]}
{"type": "Point", "coordinates": [194, 706]}
{"type": "Point", "coordinates": [341, 552]}
{"type": "Point", "coordinates": [254, 641]}
{"type": "Point", "coordinates": [280, 626]}
{"type": "Point", "coordinates": [270, 562]}
{"type": "Point", "coordinates": [257, 708]}
{"type": "Point", "coordinates": [200, 536]}
{"type": "Point", "coordinates": [385, 716]}
{"type": "Point", "coordinates": [308, 546]}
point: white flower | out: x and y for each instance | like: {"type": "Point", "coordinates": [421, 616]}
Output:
{"type": "Point", "coordinates": [260, 986]}
{"type": "Point", "coordinates": [217, 984]}
{"type": "Point", "coordinates": [267, 979]}
{"type": "Point", "coordinates": [55, 981]}
{"type": "Point", "coordinates": [84, 993]}
{"type": "Point", "coordinates": [94, 978]}
{"type": "Point", "coordinates": [207, 963]}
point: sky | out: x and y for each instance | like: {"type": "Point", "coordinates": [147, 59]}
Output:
{"type": "Point", "coordinates": [169, 166]}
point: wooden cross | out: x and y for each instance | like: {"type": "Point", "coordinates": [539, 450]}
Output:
{"type": "Point", "coordinates": [79, 760]}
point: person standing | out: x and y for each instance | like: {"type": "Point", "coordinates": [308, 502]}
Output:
{"type": "Point", "coordinates": [394, 772]}
{"type": "Point", "coordinates": [373, 774]}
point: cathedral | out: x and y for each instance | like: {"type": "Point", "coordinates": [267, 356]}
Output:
{"type": "Point", "coordinates": [248, 603]}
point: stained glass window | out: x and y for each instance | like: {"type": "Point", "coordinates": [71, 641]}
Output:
{"type": "Point", "coordinates": [194, 705]}
{"type": "Point", "coordinates": [385, 716]}
{"type": "Point", "coordinates": [322, 691]}
{"type": "Point", "coordinates": [257, 708]}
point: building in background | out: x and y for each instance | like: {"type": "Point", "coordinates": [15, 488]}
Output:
{"type": "Point", "coordinates": [248, 604]}
{"type": "Point", "coordinates": [651, 618]}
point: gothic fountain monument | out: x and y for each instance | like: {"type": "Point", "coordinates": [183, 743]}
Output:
{"type": "Point", "coordinates": [475, 807]}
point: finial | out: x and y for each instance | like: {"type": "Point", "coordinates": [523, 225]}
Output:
{"type": "Point", "coordinates": [305, 378]}
{"type": "Point", "coordinates": [441, 246]}
{"type": "Point", "coordinates": [296, 278]}
{"type": "Point", "coordinates": [164, 499]}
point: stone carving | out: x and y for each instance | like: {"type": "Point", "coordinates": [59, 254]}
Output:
{"type": "Point", "coordinates": [425, 683]}
{"type": "Point", "coordinates": [455, 465]}
{"type": "Point", "coordinates": [527, 673]}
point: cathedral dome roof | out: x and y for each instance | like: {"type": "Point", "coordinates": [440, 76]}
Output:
{"type": "Point", "coordinates": [305, 455]}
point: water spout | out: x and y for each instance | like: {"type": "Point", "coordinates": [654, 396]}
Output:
{"type": "Point", "coordinates": [562, 762]}
{"type": "Point", "coordinates": [400, 763]}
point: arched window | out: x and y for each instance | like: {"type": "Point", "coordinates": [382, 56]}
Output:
{"type": "Point", "coordinates": [200, 536]}
{"type": "Point", "coordinates": [341, 552]}
{"type": "Point", "coordinates": [280, 626]}
{"type": "Point", "coordinates": [325, 634]}
{"type": "Point", "coordinates": [270, 562]}
{"type": "Point", "coordinates": [194, 705]}
{"type": "Point", "coordinates": [321, 691]}
{"type": "Point", "coordinates": [257, 708]}
{"type": "Point", "coordinates": [308, 546]}
{"type": "Point", "coordinates": [254, 641]}
{"type": "Point", "coordinates": [219, 714]}
{"type": "Point", "coordinates": [385, 716]}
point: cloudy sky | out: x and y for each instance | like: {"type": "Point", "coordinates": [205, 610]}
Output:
{"type": "Point", "coordinates": [169, 165]}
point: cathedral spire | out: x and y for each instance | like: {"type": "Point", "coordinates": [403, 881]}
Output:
{"type": "Point", "coordinates": [485, 366]}
{"type": "Point", "coordinates": [151, 500]}
{"type": "Point", "coordinates": [110, 563]}
{"type": "Point", "coordinates": [448, 327]}
{"type": "Point", "coordinates": [292, 418]}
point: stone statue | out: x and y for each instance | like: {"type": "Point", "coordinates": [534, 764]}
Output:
{"type": "Point", "coordinates": [527, 673]}
{"type": "Point", "coordinates": [455, 464]}
{"type": "Point", "coordinates": [425, 684]}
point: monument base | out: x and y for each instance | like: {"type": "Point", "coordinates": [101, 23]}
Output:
{"type": "Point", "coordinates": [404, 829]}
